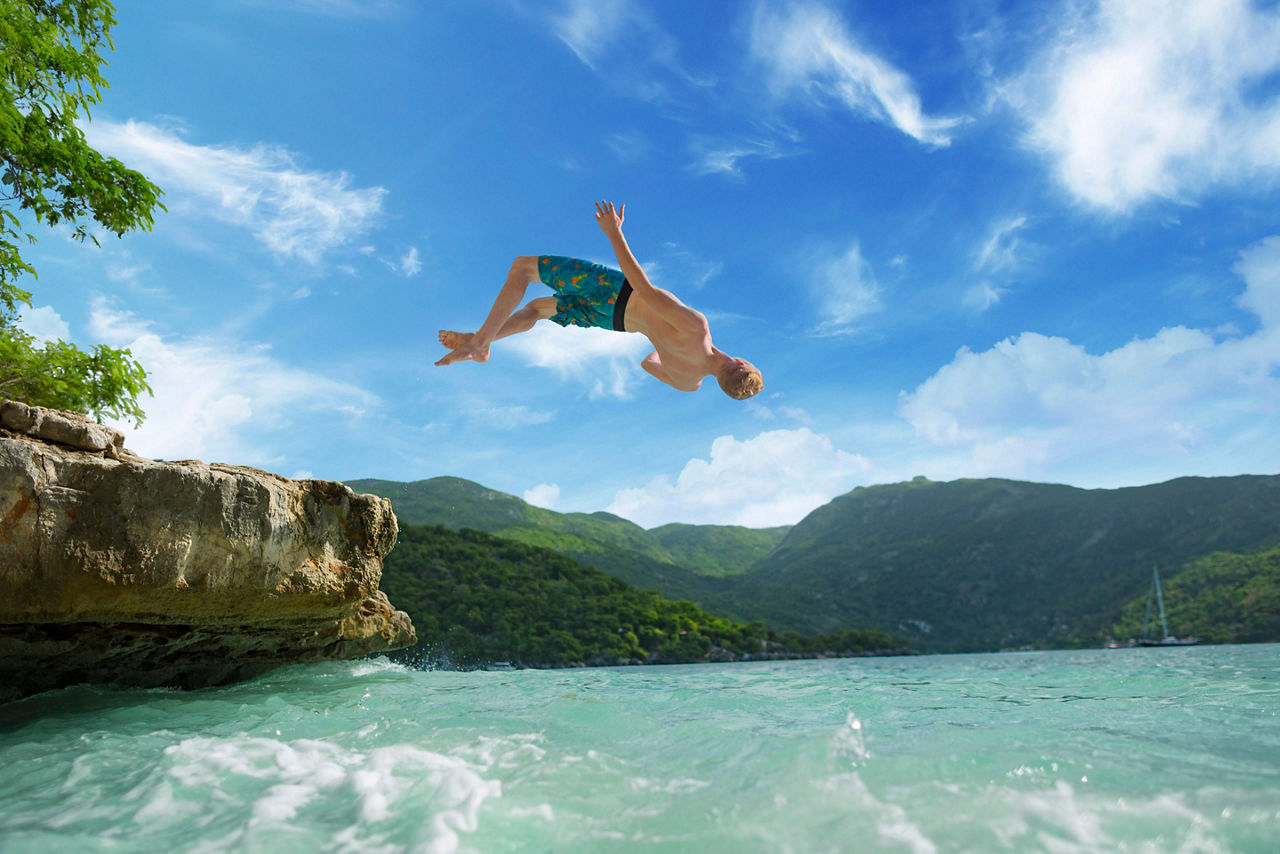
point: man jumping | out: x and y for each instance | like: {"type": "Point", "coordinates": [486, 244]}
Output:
{"type": "Point", "coordinates": [624, 300]}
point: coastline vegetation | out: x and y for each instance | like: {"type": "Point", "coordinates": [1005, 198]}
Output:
{"type": "Point", "coordinates": [476, 599]}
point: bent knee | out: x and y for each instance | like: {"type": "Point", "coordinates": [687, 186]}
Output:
{"type": "Point", "coordinates": [526, 268]}
{"type": "Point", "coordinates": [543, 307]}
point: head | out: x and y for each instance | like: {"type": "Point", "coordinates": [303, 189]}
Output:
{"type": "Point", "coordinates": [740, 379]}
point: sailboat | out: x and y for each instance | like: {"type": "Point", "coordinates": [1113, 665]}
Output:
{"type": "Point", "coordinates": [1168, 640]}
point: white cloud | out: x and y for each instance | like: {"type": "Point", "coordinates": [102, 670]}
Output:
{"type": "Point", "coordinates": [1000, 251]}
{"type": "Point", "coordinates": [43, 324]}
{"type": "Point", "coordinates": [846, 289]}
{"type": "Point", "coordinates": [295, 213]}
{"type": "Point", "coordinates": [410, 264]}
{"type": "Point", "coordinates": [603, 362]}
{"type": "Point", "coordinates": [545, 495]}
{"type": "Point", "coordinates": [982, 296]}
{"type": "Point", "coordinates": [719, 157]}
{"type": "Point", "coordinates": [631, 147]}
{"type": "Point", "coordinates": [620, 40]}
{"type": "Point", "coordinates": [1036, 406]}
{"type": "Point", "coordinates": [806, 47]}
{"type": "Point", "coordinates": [775, 478]}
{"type": "Point", "coordinates": [1157, 98]}
{"type": "Point", "coordinates": [125, 273]}
{"type": "Point", "coordinates": [216, 399]}
{"type": "Point", "coordinates": [772, 413]}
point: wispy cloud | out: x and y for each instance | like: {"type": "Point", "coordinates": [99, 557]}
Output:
{"type": "Point", "coordinates": [410, 263]}
{"type": "Point", "coordinates": [1148, 99]}
{"type": "Point", "coordinates": [775, 478]}
{"type": "Point", "coordinates": [605, 363]}
{"type": "Point", "coordinates": [1036, 405]}
{"type": "Point", "coordinates": [725, 157]}
{"type": "Point", "coordinates": [620, 40]}
{"type": "Point", "coordinates": [218, 398]}
{"type": "Point", "coordinates": [846, 290]}
{"type": "Point", "coordinates": [1000, 251]}
{"type": "Point", "coordinates": [681, 270]}
{"type": "Point", "coordinates": [806, 48]}
{"type": "Point", "coordinates": [507, 417]}
{"type": "Point", "coordinates": [293, 212]}
{"type": "Point", "coordinates": [982, 296]}
{"type": "Point", "coordinates": [999, 254]}
{"type": "Point", "coordinates": [630, 146]}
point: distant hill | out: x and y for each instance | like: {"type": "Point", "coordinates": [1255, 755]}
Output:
{"type": "Point", "coordinates": [968, 565]}
{"type": "Point", "coordinates": [987, 564]}
{"type": "Point", "coordinates": [682, 561]}
{"type": "Point", "coordinates": [475, 599]}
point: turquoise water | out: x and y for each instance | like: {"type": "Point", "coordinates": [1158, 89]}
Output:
{"type": "Point", "coordinates": [1122, 750]}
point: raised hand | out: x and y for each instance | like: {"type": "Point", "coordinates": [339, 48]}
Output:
{"type": "Point", "coordinates": [609, 220]}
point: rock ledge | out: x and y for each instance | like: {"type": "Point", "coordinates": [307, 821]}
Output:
{"type": "Point", "coordinates": [115, 568]}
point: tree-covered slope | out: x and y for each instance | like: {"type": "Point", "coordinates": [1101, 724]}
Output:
{"type": "Point", "coordinates": [475, 598]}
{"type": "Point", "coordinates": [986, 564]}
{"type": "Point", "coordinates": [1219, 598]}
{"type": "Point", "coordinates": [679, 560]}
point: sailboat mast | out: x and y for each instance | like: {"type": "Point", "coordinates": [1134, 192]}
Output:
{"type": "Point", "coordinates": [1160, 599]}
{"type": "Point", "coordinates": [1146, 618]}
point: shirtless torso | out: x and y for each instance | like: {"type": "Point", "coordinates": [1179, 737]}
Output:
{"type": "Point", "coordinates": [680, 337]}
{"type": "Point", "coordinates": [683, 354]}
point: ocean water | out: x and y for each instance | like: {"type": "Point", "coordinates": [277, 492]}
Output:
{"type": "Point", "coordinates": [1164, 750]}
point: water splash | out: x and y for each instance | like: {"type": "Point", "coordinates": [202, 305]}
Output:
{"type": "Point", "coordinates": [850, 742]}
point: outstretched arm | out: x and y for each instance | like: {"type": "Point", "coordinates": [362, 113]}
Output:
{"type": "Point", "coordinates": [670, 308]}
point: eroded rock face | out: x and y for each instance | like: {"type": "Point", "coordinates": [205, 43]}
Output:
{"type": "Point", "coordinates": [114, 568]}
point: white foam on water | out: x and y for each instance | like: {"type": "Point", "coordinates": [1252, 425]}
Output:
{"type": "Point", "coordinates": [368, 666]}
{"type": "Point", "coordinates": [507, 751]}
{"type": "Point", "coordinates": [1065, 819]}
{"type": "Point", "coordinates": [668, 787]}
{"type": "Point", "coordinates": [891, 821]}
{"type": "Point", "coordinates": [542, 811]}
{"type": "Point", "coordinates": [441, 796]}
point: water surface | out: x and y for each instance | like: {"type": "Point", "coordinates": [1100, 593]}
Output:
{"type": "Point", "coordinates": [1120, 750]}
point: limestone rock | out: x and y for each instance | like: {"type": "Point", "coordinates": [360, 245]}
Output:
{"type": "Point", "coordinates": [115, 568]}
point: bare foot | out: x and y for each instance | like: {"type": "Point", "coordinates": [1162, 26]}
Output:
{"type": "Point", "coordinates": [462, 348]}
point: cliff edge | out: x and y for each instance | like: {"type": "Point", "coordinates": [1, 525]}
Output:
{"type": "Point", "coordinates": [115, 568]}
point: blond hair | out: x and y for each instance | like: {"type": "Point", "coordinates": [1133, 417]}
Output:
{"type": "Point", "coordinates": [740, 381]}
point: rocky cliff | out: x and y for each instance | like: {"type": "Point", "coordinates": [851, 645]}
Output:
{"type": "Point", "coordinates": [114, 568]}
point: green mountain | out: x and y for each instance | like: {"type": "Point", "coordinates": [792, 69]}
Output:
{"type": "Point", "coordinates": [475, 598]}
{"type": "Point", "coordinates": [986, 564]}
{"type": "Point", "coordinates": [682, 561]}
{"type": "Point", "coordinates": [968, 565]}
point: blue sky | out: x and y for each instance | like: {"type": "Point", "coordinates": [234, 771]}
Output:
{"type": "Point", "coordinates": [961, 239]}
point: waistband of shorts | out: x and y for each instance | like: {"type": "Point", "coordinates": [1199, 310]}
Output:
{"type": "Point", "coordinates": [620, 307]}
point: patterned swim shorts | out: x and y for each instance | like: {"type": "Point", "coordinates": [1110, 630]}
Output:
{"type": "Point", "coordinates": [587, 294]}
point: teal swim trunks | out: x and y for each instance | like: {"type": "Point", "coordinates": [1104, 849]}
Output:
{"type": "Point", "coordinates": [587, 294]}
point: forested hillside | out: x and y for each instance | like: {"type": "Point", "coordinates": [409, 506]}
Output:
{"type": "Point", "coordinates": [986, 564]}
{"type": "Point", "coordinates": [968, 565]}
{"type": "Point", "coordinates": [1220, 598]}
{"type": "Point", "coordinates": [475, 598]}
{"type": "Point", "coordinates": [679, 560]}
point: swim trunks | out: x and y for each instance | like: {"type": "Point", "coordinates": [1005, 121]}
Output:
{"type": "Point", "coordinates": [587, 294]}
